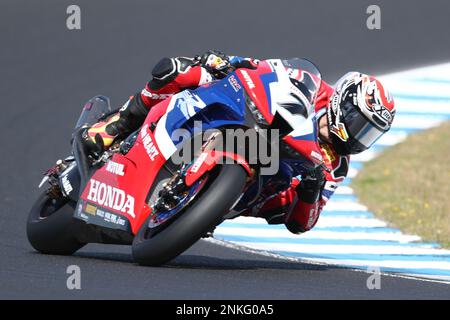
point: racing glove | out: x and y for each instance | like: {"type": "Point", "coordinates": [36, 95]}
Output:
{"type": "Point", "coordinates": [307, 209]}
{"type": "Point", "coordinates": [215, 62]}
{"type": "Point", "coordinates": [311, 185]}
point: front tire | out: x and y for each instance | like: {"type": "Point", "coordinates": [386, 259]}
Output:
{"type": "Point", "coordinates": [205, 213]}
{"type": "Point", "coordinates": [51, 226]}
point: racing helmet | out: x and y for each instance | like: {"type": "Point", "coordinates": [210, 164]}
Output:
{"type": "Point", "coordinates": [361, 110]}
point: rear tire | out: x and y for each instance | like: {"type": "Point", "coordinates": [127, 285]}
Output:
{"type": "Point", "coordinates": [205, 213]}
{"type": "Point", "coordinates": [51, 226]}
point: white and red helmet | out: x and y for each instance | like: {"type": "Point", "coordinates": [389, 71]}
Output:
{"type": "Point", "coordinates": [361, 110]}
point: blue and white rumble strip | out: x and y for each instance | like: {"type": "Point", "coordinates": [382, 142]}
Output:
{"type": "Point", "coordinates": [347, 234]}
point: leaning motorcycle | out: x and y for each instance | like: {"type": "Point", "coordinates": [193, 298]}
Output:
{"type": "Point", "coordinates": [140, 193]}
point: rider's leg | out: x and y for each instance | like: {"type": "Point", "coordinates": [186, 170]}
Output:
{"type": "Point", "coordinates": [276, 208]}
{"type": "Point", "coordinates": [298, 214]}
{"type": "Point", "coordinates": [158, 110]}
{"type": "Point", "coordinates": [101, 135]}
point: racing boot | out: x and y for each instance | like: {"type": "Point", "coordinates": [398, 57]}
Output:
{"type": "Point", "coordinates": [100, 136]}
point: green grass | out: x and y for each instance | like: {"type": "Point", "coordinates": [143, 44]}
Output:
{"type": "Point", "coordinates": [408, 185]}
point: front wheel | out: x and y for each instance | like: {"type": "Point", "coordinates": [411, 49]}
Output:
{"type": "Point", "coordinates": [205, 212]}
{"type": "Point", "coordinates": [51, 226]}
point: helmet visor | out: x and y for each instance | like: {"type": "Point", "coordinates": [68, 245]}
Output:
{"type": "Point", "coordinates": [359, 128]}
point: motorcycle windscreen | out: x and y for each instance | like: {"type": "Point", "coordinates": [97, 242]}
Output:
{"type": "Point", "coordinates": [308, 75]}
{"type": "Point", "coordinates": [93, 110]}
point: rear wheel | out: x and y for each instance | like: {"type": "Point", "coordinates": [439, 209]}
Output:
{"type": "Point", "coordinates": [201, 215]}
{"type": "Point", "coordinates": [51, 226]}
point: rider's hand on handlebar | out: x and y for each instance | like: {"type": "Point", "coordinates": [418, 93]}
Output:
{"type": "Point", "coordinates": [216, 62]}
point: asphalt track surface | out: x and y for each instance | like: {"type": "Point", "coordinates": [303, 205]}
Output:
{"type": "Point", "coordinates": [48, 72]}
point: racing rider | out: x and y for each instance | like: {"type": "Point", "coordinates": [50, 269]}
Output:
{"type": "Point", "coordinates": [351, 117]}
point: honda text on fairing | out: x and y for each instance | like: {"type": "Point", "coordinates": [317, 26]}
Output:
{"type": "Point", "coordinates": [136, 194]}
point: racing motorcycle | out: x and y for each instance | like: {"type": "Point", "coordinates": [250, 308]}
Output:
{"type": "Point", "coordinates": [136, 194]}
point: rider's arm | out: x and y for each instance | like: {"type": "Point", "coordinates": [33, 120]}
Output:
{"type": "Point", "coordinates": [315, 190]}
{"type": "Point", "coordinates": [170, 76]}
{"type": "Point", "coordinates": [300, 205]}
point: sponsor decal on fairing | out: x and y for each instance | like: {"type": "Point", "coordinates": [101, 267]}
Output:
{"type": "Point", "coordinates": [198, 163]}
{"type": "Point", "coordinates": [148, 144]}
{"type": "Point", "coordinates": [111, 197]}
{"type": "Point", "coordinates": [185, 102]}
{"type": "Point", "coordinates": [248, 79]}
{"type": "Point", "coordinates": [66, 185]}
{"type": "Point", "coordinates": [111, 217]}
{"type": "Point", "coordinates": [115, 168]}
{"type": "Point", "coordinates": [316, 155]}
{"type": "Point", "coordinates": [234, 83]}
{"type": "Point", "coordinates": [89, 208]}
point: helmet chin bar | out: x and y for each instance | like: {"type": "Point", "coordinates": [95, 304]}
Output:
{"type": "Point", "coordinates": [343, 148]}
{"type": "Point", "coordinates": [346, 148]}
